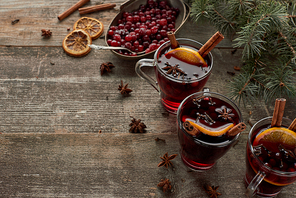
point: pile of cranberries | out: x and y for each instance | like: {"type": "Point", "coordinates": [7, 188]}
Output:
{"type": "Point", "coordinates": [144, 29]}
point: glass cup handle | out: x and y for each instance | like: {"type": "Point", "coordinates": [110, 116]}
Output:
{"type": "Point", "coordinates": [146, 63]}
{"type": "Point", "coordinates": [254, 184]}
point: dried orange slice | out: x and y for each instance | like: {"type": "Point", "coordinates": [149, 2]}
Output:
{"type": "Point", "coordinates": [92, 26]}
{"type": "Point", "coordinates": [206, 130]}
{"type": "Point", "coordinates": [187, 55]}
{"type": "Point", "coordinates": [76, 43]}
{"type": "Point", "coordinates": [276, 136]}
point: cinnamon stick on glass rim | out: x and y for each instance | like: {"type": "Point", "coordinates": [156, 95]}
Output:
{"type": "Point", "coordinates": [278, 112]}
{"type": "Point", "coordinates": [292, 126]}
{"type": "Point", "coordinates": [174, 42]}
{"type": "Point", "coordinates": [211, 44]}
{"type": "Point", "coordinates": [72, 9]}
{"type": "Point", "coordinates": [95, 8]}
{"type": "Point", "coordinates": [240, 127]}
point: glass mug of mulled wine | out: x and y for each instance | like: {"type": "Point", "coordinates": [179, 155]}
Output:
{"type": "Point", "coordinates": [208, 125]}
{"type": "Point", "coordinates": [176, 75]}
{"type": "Point", "coordinates": [270, 158]}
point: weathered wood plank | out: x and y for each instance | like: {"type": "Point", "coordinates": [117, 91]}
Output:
{"type": "Point", "coordinates": [43, 90]}
{"type": "Point", "coordinates": [110, 165]}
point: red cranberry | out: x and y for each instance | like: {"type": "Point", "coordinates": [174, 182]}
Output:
{"type": "Point", "coordinates": [128, 45]}
{"type": "Point", "coordinates": [148, 32]}
{"type": "Point", "coordinates": [120, 26]}
{"type": "Point", "coordinates": [117, 37]}
{"type": "Point", "coordinates": [130, 18]}
{"type": "Point", "coordinates": [111, 32]}
{"type": "Point", "coordinates": [158, 37]}
{"type": "Point", "coordinates": [145, 44]}
{"type": "Point", "coordinates": [142, 31]}
{"type": "Point", "coordinates": [154, 29]}
{"type": "Point", "coordinates": [163, 22]}
{"type": "Point", "coordinates": [128, 37]}
{"type": "Point", "coordinates": [122, 42]}
{"type": "Point", "coordinates": [136, 18]}
{"type": "Point", "coordinates": [134, 37]}
{"type": "Point", "coordinates": [113, 28]}
{"type": "Point", "coordinates": [114, 43]}
{"type": "Point", "coordinates": [136, 44]}
{"type": "Point", "coordinates": [109, 41]}
{"type": "Point", "coordinates": [153, 46]}
{"type": "Point", "coordinates": [141, 48]}
{"type": "Point", "coordinates": [143, 19]}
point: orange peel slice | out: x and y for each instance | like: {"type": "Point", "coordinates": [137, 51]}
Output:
{"type": "Point", "coordinates": [187, 55]}
{"type": "Point", "coordinates": [91, 25]}
{"type": "Point", "coordinates": [277, 135]}
{"type": "Point", "coordinates": [217, 132]}
{"type": "Point", "coordinates": [76, 43]}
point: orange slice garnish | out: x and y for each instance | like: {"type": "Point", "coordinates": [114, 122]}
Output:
{"type": "Point", "coordinates": [210, 131]}
{"type": "Point", "coordinates": [76, 43]}
{"type": "Point", "coordinates": [187, 55]}
{"type": "Point", "coordinates": [276, 135]}
{"type": "Point", "coordinates": [92, 26]}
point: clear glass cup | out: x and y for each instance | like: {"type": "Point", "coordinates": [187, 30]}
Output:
{"type": "Point", "coordinates": [201, 152]}
{"type": "Point", "coordinates": [260, 179]}
{"type": "Point", "coordinates": [172, 90]}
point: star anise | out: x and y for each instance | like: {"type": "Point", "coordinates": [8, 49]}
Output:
{"type": "Point", "coordinates": [46, 33]}
{"type": "Point", "coordinates": [123, 89]}
{"type": "Point", "coordinates": [165, 184]}
{"type": "Point", "coordinates": [106, 67]}
{"type": "Point", "coordinates": [174, 70]}
{"type": "Point", "coordinates": [166, 161]}
{"type": "Point", "coordinates": [225, 113]}
{"type": "Point", "coordinates": [137, 126]}
{"type": "Point", "coordinates": [212, 191]}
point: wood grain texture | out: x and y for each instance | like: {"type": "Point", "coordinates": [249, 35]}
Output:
{"type": "Point", "coordinates": [53, 108]}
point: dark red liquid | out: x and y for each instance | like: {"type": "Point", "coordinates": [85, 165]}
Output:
{"type": "Point", "coordinates": [273, 157]}
{"type": "Point", "coordinates": [202, 151]}
{"type": "Point", "coordinates": [176, 87]}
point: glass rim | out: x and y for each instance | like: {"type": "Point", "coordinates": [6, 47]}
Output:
{"type": "Point", "coordinates": [167, 43]}
{"type": "Point", "coordinates": [252, 150]}
{"type": "Point", "coordinates": [222, 144]}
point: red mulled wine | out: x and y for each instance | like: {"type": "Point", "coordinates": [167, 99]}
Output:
{"type": "Point", "coordinates": [275, 159]}
{"type": "Point", "coordinates": [178, 79]}
{"type": "Point", "coordinates": [213, 115]}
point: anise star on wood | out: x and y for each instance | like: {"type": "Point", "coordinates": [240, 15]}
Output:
{"type": "Point", "coordinates": [166, 160]}
{"type": "Point", "coordinates": [46, 33]}
{"type": "Point", "coordinates": [137, 126]}
{"type": "Point", "coordinates": [225, 113]}
{"type": "Point", "coordinates": [174, 70]}
{"type": "Point", "coordinates": [165, 184]}
{"type": "Point", "coordinates": [123, 89]}
{"type": "Point", "coordinates": [106, 67]}
{"type": "Point", "coordinates": [212, 191]}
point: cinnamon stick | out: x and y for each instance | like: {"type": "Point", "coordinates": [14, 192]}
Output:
{"type": "Point", "coordinates": [95, 8]}
{"type": "Point", "coordinates": [210, 44]}
{"type": "Point", "coordinates": [190, 129]}
{"type": "Point", "coordinates": [237, 129]}
{"type": "Point", "coordinates": [174, 42]}
{"type": "Point", "coordinates": [278, 112]}
{"type": "Point", "coordinates": [72, 9]}
{"type": "Point", "coordinates": [292, 126]}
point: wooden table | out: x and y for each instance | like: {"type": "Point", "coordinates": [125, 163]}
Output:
{"type": "Point", "coordinates": [65, 128]}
